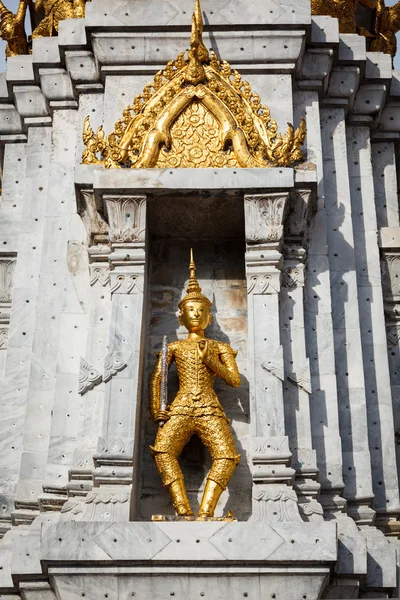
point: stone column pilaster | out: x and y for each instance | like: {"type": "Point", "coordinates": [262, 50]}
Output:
{"type": "Point", "coordinates": [346, 320]}
{"type": "Point", "coordinates": [273, 496]}
{"type": "Point", "coordinates": [372, 327]}
{"type": "Point", "coordinates": [297, 385]}
{"type": "Point", "coordinates": [114, 459]}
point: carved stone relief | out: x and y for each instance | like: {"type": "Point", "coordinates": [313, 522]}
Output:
{"type": "Point", "coordinates": [393, 335]}
{"type": "Point", "coordinates": [390, 266]}
{"type": "Point", "coordinates": [113, 362]}
{"type": "Point", "coordinates": [302, 209]}
{"type": "Point", "coordinates": [99, 274]}
{"type": "Point", "coordinates": [292, 277]}
{"type": "Point", "coordinates": [275, 363]}
{"type": "Point", "coordinates": [88, 377]}
{"type": "Point", "coordinates": [262, 284]}
{"type": "Point", "coordinates": [7, 268]}
{"type": "Point", "coordinates": [3, 338]}
{"type": "Point", "coordinates": [96, 226]}
{"type": "Point", "coordinates": [264, 215]}
{"type": "Point", "coordinates": [126, 284]}
{"type": "Point", "coordinates": [275, 504]}
{"type": "Point", "coordinates": [302, 378]}
{"type": "Point", "coordinates": [311, 512]}
{"type": "Point", "coordinates": [127, 218]}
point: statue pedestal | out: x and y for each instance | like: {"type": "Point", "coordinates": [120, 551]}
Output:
{"type": "Point", "coordinates": [217, 560]}
{"type": "Point", "coordinates": [228, 518]}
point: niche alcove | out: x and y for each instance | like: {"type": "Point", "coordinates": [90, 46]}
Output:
{"type": "Point", "coordinates": [213, 224]}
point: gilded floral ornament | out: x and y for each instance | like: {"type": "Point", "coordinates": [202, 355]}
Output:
{"type": "Point", "coordinates": [197, 112]}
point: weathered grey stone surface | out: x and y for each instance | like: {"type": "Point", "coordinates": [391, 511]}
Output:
{"type": "Point", "coordinates": [302, 266]}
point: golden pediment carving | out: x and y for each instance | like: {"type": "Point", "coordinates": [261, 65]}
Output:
{"type": "Point", "coordinates": [197, 112]}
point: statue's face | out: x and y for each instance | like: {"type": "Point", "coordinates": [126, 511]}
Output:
{"type": "Point", "coordinates": [195, 315]}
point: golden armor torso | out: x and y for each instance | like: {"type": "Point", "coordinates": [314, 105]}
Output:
{"type": "Point", "coordinates": [196, 395]}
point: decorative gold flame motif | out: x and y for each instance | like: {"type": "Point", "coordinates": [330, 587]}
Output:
{"type": "Point", "coordinates": [197, 112]}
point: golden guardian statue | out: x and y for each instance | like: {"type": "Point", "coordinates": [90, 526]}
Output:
{"type": "Point", "coordinates": [12, 29]}
{"type": "Point", "coordinates": [196, 408]}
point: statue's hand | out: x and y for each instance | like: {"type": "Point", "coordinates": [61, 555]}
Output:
{"type": "Point", "coordinates": [202, 349]}
{"type": "Point", "coordinates": [161, 415]}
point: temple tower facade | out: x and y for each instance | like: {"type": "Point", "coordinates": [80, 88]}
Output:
{"type": "Point", "coordinates": [266, 140]}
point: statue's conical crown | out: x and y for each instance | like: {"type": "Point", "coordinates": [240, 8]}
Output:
{"type": "Point", "coordinates": [193, 289]}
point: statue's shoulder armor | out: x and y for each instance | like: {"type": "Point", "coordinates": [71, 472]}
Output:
{"type": "Point", "coordinates": [173, 346]}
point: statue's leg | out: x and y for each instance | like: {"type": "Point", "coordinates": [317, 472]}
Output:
{"type": "Point", "coordinates": [169, 443]}
{"type": "Point", "coordinates": [215, 433]}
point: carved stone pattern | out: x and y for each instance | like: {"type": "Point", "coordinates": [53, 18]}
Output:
{"type": "Point", "coordinates": [393, 335]}
{"type": "Point", "coordinates": [116, 446]}
{"type": "Point", "coordinates": [113, 362]}
{"type": "Point", "coordinates": [275, 364]}
{"type": "Point", "coordinates": [276, 444]}
{"type": "Point", "coordinates": [275, 504]}
{"type": "Point", "coordinates": [292, 277]}
{"type": "Point", "coordinates": [103, 497]}
{"type": "Point", "coordinates": [311, 512]}
{"type": "Point", "coordinates": [94, 223]}
{"type": "Point", "coordinates": [303, 457]}
{"type": "Point", "coordinates": [391, 274]}
{"type": "Point", "coordinates": [302, 378]}
{"type": "Point", "coordinates": [7, 268]}
{"type": "Point", "coordinates": [127, 219]}
{"type": "Point", "coordinates": [126, 284]}
{"type": "Point", "coordinates": [264, 218]}
{"type": "Point", "coordinates": [3, 338]}
{"type": "Point", "coordinates": [88, 377]}
{"type": "Point", "coordinates": [99, 274]}
{"type": "Point", "coordinates": [74, 508]}
{"type": "Point", "coordinates": [98, 505]}
{"type": "Point", "coordinates": [298, 217]}
{"type": "Point", "coordinates": [262, 284]}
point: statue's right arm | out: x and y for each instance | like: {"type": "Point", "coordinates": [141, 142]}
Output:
{"type": "Point", "coordinates": [155, 384]}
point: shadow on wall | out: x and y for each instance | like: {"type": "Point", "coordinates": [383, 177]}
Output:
{"type": "Point", "coordinates": [349, 289]}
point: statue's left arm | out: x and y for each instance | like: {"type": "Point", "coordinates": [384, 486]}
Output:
{"type": "Point", "coordinates": [223, 364]}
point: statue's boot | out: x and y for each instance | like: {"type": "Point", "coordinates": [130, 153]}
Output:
{"type": "Point", "coordinates": [179, 498]}
{"type": "Point", "coordinates": [211, 495]}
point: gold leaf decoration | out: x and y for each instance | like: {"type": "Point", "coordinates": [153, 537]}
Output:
{"type": "Point", "coordinates": [197, 113]}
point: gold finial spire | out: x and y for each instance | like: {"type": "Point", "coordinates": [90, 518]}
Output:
{"type": "Point", "coordinates": [193, 285]}
{"type": "Point", "coordinates": [193, 289]}
{"type": "Point", "coordinates": [198, 53]}
{"type": "Point", "coordinates": [202, 51]}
